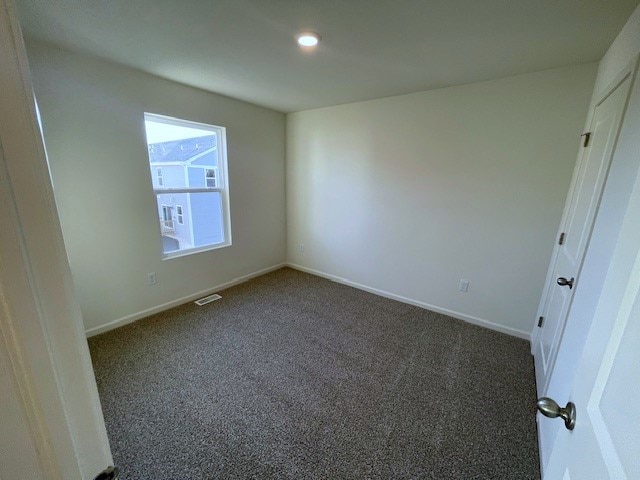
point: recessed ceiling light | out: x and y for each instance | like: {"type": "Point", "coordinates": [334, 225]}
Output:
{"type": "Point", "coordinates": [308, 39]}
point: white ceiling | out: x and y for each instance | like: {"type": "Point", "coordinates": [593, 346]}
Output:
{"type": "Point", "coordinates": [370, 48]}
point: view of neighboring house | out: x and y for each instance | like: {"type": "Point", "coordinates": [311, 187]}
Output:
{"type": "Point", "coordinates": [187, 219]}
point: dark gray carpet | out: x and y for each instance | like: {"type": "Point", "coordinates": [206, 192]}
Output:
{"type": "Point", "coordinates": [291, 376]}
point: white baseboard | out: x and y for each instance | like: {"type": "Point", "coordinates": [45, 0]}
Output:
{"type": "Point", "coordinates": [174, 303]}
{"type": "Point", "coordinates": [461, 316]}
{"type": "Point", "coordinates": [179, 301]}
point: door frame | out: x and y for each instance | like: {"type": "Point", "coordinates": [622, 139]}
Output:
{"type": "Point", "coordinates": [630, 70]}
{"type": "Point", "coordinates": [41, 328]}
{"type": "Point", "coordinates": [578, 323]}
{"type": "Point", "coordinates": [618, 293]}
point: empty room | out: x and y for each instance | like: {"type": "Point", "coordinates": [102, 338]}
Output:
{"type": "Point", "coordinates": [319, 240]}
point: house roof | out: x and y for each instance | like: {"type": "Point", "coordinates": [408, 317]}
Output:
{"type": "Point", "coordinates": [180, 150]}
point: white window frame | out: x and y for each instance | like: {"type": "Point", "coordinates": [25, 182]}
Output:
{"type": "Point", "coordinates": [159, 176]}
{"type": "Point", "coordinates": [179, 214]}
{"type": "Point", "coordinates": [222, 182]}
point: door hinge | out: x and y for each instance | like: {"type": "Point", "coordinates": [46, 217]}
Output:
{"type": "Point", "coordinates": [540, 321]}
{"type": "Point", "coordinates": [587, 136]}
{"type": "Point", "coordinates": [561, 239]}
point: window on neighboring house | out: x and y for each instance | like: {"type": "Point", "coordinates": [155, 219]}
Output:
{"type": "Point", "coordinates": [167, 213]}
{"type": "Point", "coordinates": [166, 220]}
{"type": "Point", "coordinates": [179, 152]}
{"type": "Point", "coordinates": [210, 177]}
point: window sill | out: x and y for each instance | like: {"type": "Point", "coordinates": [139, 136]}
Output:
{"type": "Point", "coordinates": [192, 251]}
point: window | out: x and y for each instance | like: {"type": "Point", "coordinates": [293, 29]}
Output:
{"type": "Point", "coordinates": [188, 163]}
{"type": "Point", "coordinates": [167, 213]}
{"type": "Point", "coordinates": [166, 220]}
{"type": "Point", "coordinates": [210, 177]}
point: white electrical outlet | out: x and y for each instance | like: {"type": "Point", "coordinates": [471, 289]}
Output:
{"type": "Point", "coordinates": [463, 286]}
{"type": "Point", "coordinates": [301, 247]}
{"type": "Point", "coordinates": [152, 279]}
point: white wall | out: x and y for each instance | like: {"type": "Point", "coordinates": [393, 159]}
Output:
{"type": "Point", "coordinates": [92, 113]}
{"type": "Point", "coordinates": [409, 194]}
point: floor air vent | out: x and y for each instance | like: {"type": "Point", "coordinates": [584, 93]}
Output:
{"type": "Point", "coordinates": [208, 299]}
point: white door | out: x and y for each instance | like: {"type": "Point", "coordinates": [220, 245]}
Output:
{"type": "Point", "coordinates": [605, 443]}
{"type": "Point", "coordinates": [18, 451]}
{"type": "Point", "coordinates": [584, 197]}
{"type": "Point", "coordinates": [55, 429]}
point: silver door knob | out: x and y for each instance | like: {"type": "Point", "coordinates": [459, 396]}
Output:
{"type": "Point", "coordinates": [549, 408]}
{"type": "Point", "coordinates": [563, 282]}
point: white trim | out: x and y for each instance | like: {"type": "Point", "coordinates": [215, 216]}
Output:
{"type": "Point", "coordinates": [223, 181]}
{"type": "Point", "coordinates": [183, 252]}
{"type": "Point", "coordinates": [244, 278]}
{"type": "Point", "coordinates": [178, 122]}
{"type": "Point", "coordinates": [445, 311]}
{"type": "Point", "coordinates": [179, 301]}
{"type": "Point", "coordinates": [169, 191]}
{"type": "Point", "coordinates": [166, 164]}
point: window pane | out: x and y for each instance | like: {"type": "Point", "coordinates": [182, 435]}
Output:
{"type": "Point", "coordinates": [199, 224]}
{"type": "Point", "coordinates": [206, 214]}
{"type": "Point", "coordinates": [179, 153]}
{"type": "Point", "coordinates": [185, 157]}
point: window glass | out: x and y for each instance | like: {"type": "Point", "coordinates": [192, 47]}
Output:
{"type": "Point", "coordinates": [188, 164]}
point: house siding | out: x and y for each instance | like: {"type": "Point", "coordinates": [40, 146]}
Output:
{"type": "Point", "coordinates": [196, 177]}
{"type": "Point", "coordinates": [206, 213]}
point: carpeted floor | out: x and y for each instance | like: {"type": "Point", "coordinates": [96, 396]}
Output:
{"type": "Point", "coordinates": [291, 376]}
